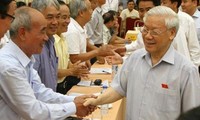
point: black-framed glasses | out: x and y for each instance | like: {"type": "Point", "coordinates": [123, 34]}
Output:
{"type": "Point", "coordinates": [8, 15]}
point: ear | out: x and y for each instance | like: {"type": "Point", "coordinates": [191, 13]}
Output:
{"type": "Point", "coordinates": [175, 4]}
{"type": "Point", "coordinates": [21, 33]}
{"type": "Point", "coordinates": [172, 33]}
{"type": "Point", "coordinates": [80, 13]}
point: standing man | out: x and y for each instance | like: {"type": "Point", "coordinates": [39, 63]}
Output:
{"type": "Point", "coordinates": [23, 96]}
{"type": "Point", "coordinates": [190, 7]}
{"type": "Point", "coordinates": [47, 62]}
{"type": "Point", "coordinates": [186, 41]}
{"type": "Point", "coordinates": [110, 5]}
{"type": "Point", "coordinates": [158, 82]}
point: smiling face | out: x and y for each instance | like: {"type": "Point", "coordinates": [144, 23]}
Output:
{"type": "Point", "coordinates": [36, 37]}
{"type": "Point", "coordinates": [6, 22]}
{"type": "Point", "coordinates": [157, 44]}
{"type": "Point", "coordinates": [144, 6]}
{"type": "Point", "coordinates": [64, 19]}
{"type": "Point", "coordinates": [52, 16]}
{"type": "Point", "coordinates": [189, 6]}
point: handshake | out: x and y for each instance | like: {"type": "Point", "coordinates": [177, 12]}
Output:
{"type": "Point", "coordinates": [85, 105]}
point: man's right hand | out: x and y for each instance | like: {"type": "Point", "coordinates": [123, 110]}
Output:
{"type": "Point", "coordinates": [106, 50]}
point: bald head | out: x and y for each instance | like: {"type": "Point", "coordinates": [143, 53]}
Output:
{"type": "Point", "coordinates": [24, 17]}
{"type": "Point", "coordinates": [28, 30]}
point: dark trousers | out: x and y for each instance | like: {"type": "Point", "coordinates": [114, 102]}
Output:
{"type": "Point", "coordinates": [67, 84]}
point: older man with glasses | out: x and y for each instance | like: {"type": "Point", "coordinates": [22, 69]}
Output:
{"type": "Point", "coordinates": [158, 82]}
{"type": "Point", "coordinates": [7, 8]}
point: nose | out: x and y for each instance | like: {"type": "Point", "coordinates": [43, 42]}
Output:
{"type": "Point", "coordinates": [68, 21]}
{"type": "Point", "coordinates": [148, 35]}
{"type": "Point", "coordinates": [54, 20]}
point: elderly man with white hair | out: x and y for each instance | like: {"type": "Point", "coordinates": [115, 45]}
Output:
{"type": "Point", "coordinates": [158, 82]}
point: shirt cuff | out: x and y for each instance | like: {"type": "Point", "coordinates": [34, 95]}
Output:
{"type": "Point", "coordinates": [69, 108]}
{"type": "Point", "coordinates": [70, 98]}
{"type": "Point", "coordinates": [129, 47]}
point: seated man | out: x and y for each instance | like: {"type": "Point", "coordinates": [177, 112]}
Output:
{"type": "Point", "coordinates": [68, 74]}
{"type": "Point", "coordinates": [158, 82]}
{"type": "Point", "coordinates": [23, 96]}
{"type": "Point", "coordinates": [79, 46]}
{"type": "Point", "coordinates": [109, 30]}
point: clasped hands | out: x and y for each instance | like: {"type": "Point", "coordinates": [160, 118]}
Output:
{"type": "Point", "coordinates": [83, 109]}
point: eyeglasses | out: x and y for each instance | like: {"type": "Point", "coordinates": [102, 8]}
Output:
{"type": "Point", "coordinates": [8, 15]}
{"type": "Point", "coordinates": [154, 32]}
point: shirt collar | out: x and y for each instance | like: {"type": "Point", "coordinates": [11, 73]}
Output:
{"type": "Point", "coordinates": [57, 38]}
{"type": "Point", "coordinates": [105, 28]}
{"type": "Point", "coordinates": [72, 21]}
{"type": "Point", "coordinates": [168, 57]}
{"type": "Point", "coordinates": [196, 14]}
{"type": "Point", "coordinates": [21, 56]}
{"type": "Point", "coordinates": [98, 9]}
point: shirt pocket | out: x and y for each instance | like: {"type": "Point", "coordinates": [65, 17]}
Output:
{"type": "Point", "coordinates": [165, 100]}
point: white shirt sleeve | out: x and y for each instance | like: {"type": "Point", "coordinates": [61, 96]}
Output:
{"type": "Point", "coordinates": [19, 96]}
{"type": "Point", "coordinates": [193, 44]}
{"type": "Point", "coordinates": [136, 44]}
{"type": "Point", "coordinates": [46, 94]}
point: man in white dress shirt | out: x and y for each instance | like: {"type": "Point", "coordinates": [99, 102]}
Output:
{"type": "Point", "coordinates": [190, 7]}
{"type": "Point", "coordinates": [186, 41]}
{"type": "Point", "coordinates": [22, 95]}
{"type": "Point", "coordinates": [110, 5]}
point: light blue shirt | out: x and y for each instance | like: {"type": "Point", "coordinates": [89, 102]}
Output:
{"type": "Point", "coordinates": [22, 95]}
{"type": "Point", "coordinates": [95, 27]}
{"type": "Point", "coordinates": [158, 92]}
{"type": "Point", "coordinates": [47, 64]}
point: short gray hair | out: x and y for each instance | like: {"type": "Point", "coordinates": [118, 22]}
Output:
{"type": "Point", "coordinates": [171, 18]}
{"type": "Point", "coordinates": [22, 19]}
{"type": "Point", "coordinates": [43, 4]}
{"type": "Point", "coordinates": [75, 6]}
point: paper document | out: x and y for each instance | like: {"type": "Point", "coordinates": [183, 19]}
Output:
{"type": "Point", "coordinates": [85, 83]}
{"type": "Point", "coordinates": [101, 70]}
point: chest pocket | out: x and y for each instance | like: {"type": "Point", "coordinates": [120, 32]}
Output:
{"type": "Point", "coordinates": [166, 100]}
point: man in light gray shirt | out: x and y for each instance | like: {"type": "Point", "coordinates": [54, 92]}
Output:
{"type": "Point", "coordinates": [158, 82]}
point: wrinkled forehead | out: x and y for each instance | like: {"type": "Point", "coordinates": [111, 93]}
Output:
{"type": "Point", "coordinates": [155, 21]}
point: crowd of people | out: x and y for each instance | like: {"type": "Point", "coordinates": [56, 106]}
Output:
{"type": "Point", "coordinates": [48, 46]}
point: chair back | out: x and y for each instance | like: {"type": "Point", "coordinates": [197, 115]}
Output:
{"type": "Point", "coordinates": [120, 25]}
{"type": "Point", "coordinates": [130, 22]}
{"type": "Point", "coordinates": [138, 23]}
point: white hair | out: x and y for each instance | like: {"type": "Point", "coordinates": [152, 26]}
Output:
{"type": "Point", "coordinates": [171, 18]}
